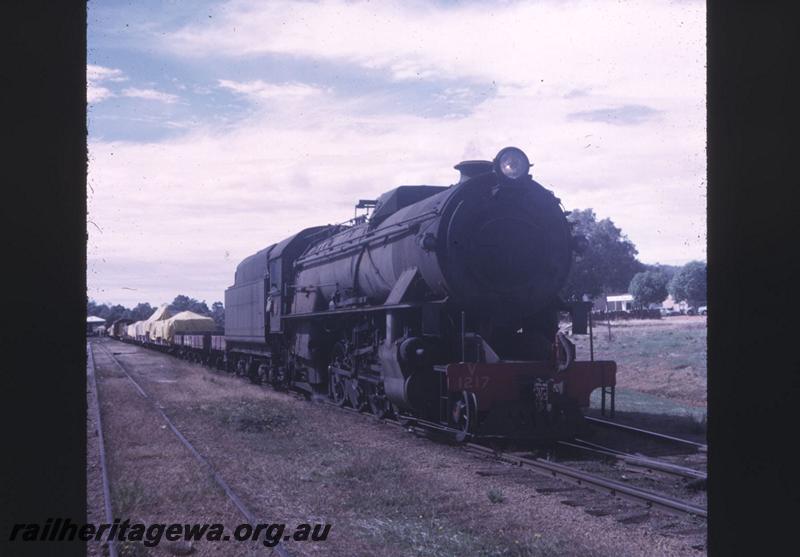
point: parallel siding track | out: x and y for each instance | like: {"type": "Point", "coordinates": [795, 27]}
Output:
{"type": "Point", "coordinates": [112, 547]}
{"type": "Point", "coordinates": [279, 549]}
{"type": "Point", "coordinates": [597, 483]}
{"type": "Point", "coordinates": [700, 447]}
{"type": "Point", "coordinates": [572, 475]}
{"type": "Point", "coordinates": [638, 461]}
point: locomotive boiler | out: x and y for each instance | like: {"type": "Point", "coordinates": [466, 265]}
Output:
{"type": "Point", "coordinates": [440, 305]}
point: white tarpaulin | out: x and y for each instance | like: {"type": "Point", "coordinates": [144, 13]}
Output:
{"type": "Point", "coordinates": [146, 327]}
{"type": "Point", "coordinates": [185, 322]}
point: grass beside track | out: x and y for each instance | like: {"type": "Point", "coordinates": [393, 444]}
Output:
{"type": "Point", "coordinates": [665, 358]}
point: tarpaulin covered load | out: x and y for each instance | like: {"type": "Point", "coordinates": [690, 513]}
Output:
{"type": "Point", "coordinates": [132, 329]}
{"type": "Point", "coordinates": [182, 323]}
{"type": "Point", "coordinates": [154, 330]}
{"type": "Point", "coordinates": [146, 327]}
{"type": "Point", "coordinates": [140, 328]}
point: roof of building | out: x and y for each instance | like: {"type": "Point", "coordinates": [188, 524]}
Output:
{"type": "Point", "coordinates": [620, 298]}
{"type": "Point", "coordinates": [95, 319]}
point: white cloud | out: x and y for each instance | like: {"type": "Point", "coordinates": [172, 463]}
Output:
{"type": "Point", "coordinates": [617, 47]}
{"type": "Point", "coordinates": [100, 73]}
{"type": "Point", "coordinates": [95, 75]}
{"type": "Point", "coordinates": [607, 100]}
{"type": "Point", "coordinates": [149, 94]}
{"type": "Point", "coordinates": [213, 191]}
{"type": "Point", "coordinates": [260, 90]}
{"type": "Point", "coordinates": [95, 94]}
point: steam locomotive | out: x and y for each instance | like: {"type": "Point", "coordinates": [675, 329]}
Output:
{"type": "Point", "coordinates": [442, 304]}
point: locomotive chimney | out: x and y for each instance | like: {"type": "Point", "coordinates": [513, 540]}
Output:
{"type": "Point", "coordinates": [470, 169]}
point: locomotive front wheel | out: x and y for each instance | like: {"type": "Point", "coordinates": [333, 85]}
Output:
{"type": "Point", "coordinates": [252, 374]}
{"type": "Point", "coordinates": [358, 399]}
{"type": "Point", "coordinates": [464, 415]}
{"type": "Point", "coordinates": [241, 368]}
{"type": "Point", "coordinates": [338, 389]}
{"type": "Point", "coordinates": [379, 405]}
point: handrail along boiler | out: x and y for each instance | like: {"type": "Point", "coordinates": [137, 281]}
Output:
{"type": "Point", "coordinates": [442, 304]}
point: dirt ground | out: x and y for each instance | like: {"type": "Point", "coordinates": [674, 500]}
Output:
{"type": "Point", "coordinates": [383, 490]}
{"type": "Point", "coordinates": [663, 357]}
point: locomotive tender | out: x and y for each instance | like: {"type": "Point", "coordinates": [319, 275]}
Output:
{"type": "Point", "coordinates": [442, 304]}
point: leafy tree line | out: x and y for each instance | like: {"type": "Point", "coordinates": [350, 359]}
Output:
{"type": "Point", "coordinates": [113, 312]}
{"type": "Point", "coordinates": [144, 310]}
{"type": "Point", "coordinates": [687, 283]}
{"type": "Point", "coordinates": [690, 283]}
{"type": "Point", "coordinates": [606, 263]}
{"type": "Point", "coordinates": [606, 260]}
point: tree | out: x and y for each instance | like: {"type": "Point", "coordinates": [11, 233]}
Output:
{"type": "Point", "coordinates": [218, 313]}
{"type": "Point", "coordinates": [103, 310]}
{"type": "Point", "coordinates": [142, 311]}
{"type": "Point", "coordinates": [93, 308]}
{"type": "Point", "coordinates": [117, 311]}
{"type": "Point", "coordinates": [185, 303]}
{"type": "Point", "coordinates": [648, 287]}
{"type": "Point", "coordinates": [608, 262]}
{"type": "Point", "coordinates": [668, 270]}
{"type": "Point", "coordinates": [689, 284]}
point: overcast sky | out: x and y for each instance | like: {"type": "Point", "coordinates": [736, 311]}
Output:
{"type": "Point", "coordinates": [218, 128]}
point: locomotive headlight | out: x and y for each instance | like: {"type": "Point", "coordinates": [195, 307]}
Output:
{"type": "Point", "coordinates": [511, 163]}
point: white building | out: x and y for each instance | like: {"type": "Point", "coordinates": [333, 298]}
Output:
{"type": "Point", "coordinates": [669, 303]}
{"type": "Point", "coordinates": [619, 302]}
{"type": "Point", "coordinates": [93, 323]}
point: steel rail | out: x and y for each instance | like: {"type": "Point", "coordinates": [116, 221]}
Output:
{"type": "Point", "coordinates": [552, 469]}
{"type": "Point", "coordinates": [638, 460]}
{"type": "Point", "coordinates": [112, 546]}
{"type": "Point", "coordinates": [560, 471]}
{"type": "Point", "coordinates": [597, 483]}
{"type": "Point", "coordinates": [234, 498]}
{"type": "Point", "coordinates": [606, 423]}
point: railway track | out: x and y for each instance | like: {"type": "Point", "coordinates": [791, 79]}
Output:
{"type": "Point", "coordinates": [595, 482]}
{"type": "Point", "coordinates": [575, 476]}
{"type": "Point", "coordinates": [278, 549]}
{"type": "Point", "coordinates": [112, 546]}
{"type": "Point", "coordinates": [569, 474]}
{"type": "Point", "coordinates": [638, 461]}
{"type": "Point", "coordinates": [700, 447]}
